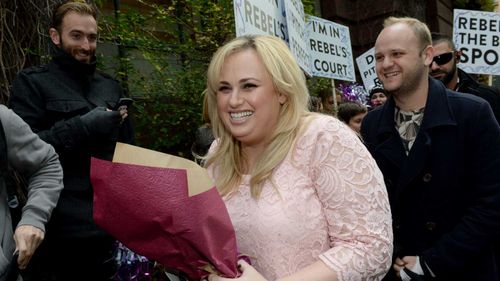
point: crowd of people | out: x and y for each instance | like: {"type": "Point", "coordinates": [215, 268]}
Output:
{"type": "Point", "coordinates": [403, 187]}
{"type": "Point", "coordinates": [349, 107]}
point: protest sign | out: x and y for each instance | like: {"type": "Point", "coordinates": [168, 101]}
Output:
{"type": "Point", "coordinates": [366, 66]}
{"type": "Point", "coordinates": [260, 17]}
{"type": "Point", "coordinates": [296, 23]}
{"type": "Point", "coordinates": [477, 35]}
{"type": "Point", "coordinates": [330, 47]}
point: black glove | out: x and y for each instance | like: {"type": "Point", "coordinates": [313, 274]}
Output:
{"type": "Point", "coordinates": [101, 121]}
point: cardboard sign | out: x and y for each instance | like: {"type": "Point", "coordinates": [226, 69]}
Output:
{"type": "Point", "coordinates": [262, 17]}
{"type": "Point", "coordinates": [330, 47]}
{"type": "Point", "coordinates": [366, 66]}
{"type": "Point", "coordinates": [296, 23]}
{"type": "Point", "coordinates": [477, 35]}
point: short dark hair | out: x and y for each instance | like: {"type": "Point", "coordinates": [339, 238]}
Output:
{"type": "Point", "coordinates": [441, 37]}
{"type": "Point", "coordinates": [347, 110]}
{"type": "Point", "coordinates": [78, 7]}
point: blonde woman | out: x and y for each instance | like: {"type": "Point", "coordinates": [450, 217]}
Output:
{"type": "Point", "coordinates": [305, 197]}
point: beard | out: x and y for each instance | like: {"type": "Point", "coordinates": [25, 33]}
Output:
{"type": "Point", "coordinates": [411, 82]}
{"type": "Point", "coordinates": [448, 75]}
{"type": "Point", "coordinates": [74, 51]}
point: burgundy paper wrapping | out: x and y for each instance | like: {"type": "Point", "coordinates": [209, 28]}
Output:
{"type": "Point", "coordinates": [148, 209]}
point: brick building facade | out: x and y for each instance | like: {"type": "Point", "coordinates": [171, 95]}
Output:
{"type": "Point", "coordinates": [365, 17]}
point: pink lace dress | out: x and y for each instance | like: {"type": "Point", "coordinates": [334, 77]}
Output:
{"type": "Point", "coordinates": [330, 204]}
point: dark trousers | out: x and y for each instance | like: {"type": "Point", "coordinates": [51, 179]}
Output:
{"type": "Point", "coordinates": [65, 259]}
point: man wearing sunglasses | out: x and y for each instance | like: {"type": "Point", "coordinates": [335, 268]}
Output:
{"type": "Point", "coordinates": [444, 68]}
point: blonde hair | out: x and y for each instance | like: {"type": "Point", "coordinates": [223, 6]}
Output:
{"type": "Point", "coordinates": [289, 80]}
{"type": "Point", "coordinates": [204, 113]}
{"type": "Point", "coordinates": [420, 29]}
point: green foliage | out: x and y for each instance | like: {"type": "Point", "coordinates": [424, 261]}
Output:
{"type": "Point", "coordinates": [481, 5]}
{"type": "Point", "coordinates": [318, 84]}
{"type": "Point", "coordinates": [309, 7]}
{"type": "Point", "coordinates": [164, 51]}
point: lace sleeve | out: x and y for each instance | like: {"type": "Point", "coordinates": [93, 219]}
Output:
{"type": "Point", "coordinates": [352, 191]}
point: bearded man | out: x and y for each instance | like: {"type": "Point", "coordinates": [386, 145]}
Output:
{"type": "Point", "coordinates": [69, 105]}
{"type": "Point", "coordinates": [444, 67]}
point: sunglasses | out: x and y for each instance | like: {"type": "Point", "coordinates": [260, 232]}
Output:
{"type": "Point", "coordinates": [443, 58]}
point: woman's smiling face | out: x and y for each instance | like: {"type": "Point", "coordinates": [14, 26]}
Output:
{"type": "Point", "coordinates": [247, 102]}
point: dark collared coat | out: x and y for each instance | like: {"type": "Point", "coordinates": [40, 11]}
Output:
{"type": "Point", "coordinates": [467, 84]}
{"type": "Point", "coordinates": [445, 195]}
{"type": "Point", "coordinates": [51, 99]}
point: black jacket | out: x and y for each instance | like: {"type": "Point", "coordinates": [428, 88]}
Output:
{"type": "Point", "coordinates": [51, 99]}
{"type": "Point", "coordinates": [445, 195]}
{"type": "Point", "coordinates": [467, 84]}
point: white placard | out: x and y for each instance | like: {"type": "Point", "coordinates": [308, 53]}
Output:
{"type": "Point", "coordinates": [330, 47]}
{"type": "Point", "coordinates": [296, 23]}
{"type": "Point", "coordinates": [260, 17]}
{"type": "Point", "coordinates": [366, 66]}
{"type": "Point", "coordinates": [477, 35]}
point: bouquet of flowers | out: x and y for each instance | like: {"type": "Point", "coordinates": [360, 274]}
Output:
{"type": "Point", "coordinates": [165, 208]}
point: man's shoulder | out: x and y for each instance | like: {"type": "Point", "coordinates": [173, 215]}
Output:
{"type": "Point", "coordinates": [106, 76]}
{"type": "Point", "coordinates": [488, 91]}
{"type": "Point", "coordinates": [460, 98]}
{"type": "Point", "coordinates": [374, 113]}
{"type": "Point", "coordinates": [465, 106]}
{"type": "Point", "coordinates": [481, 90]}
{"type": "Point", "coordinates": [33, 70]}
{"type": "Point", "coordinates": [371, 123]}
{"type": "Point", "coordinates": [469, 84]}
